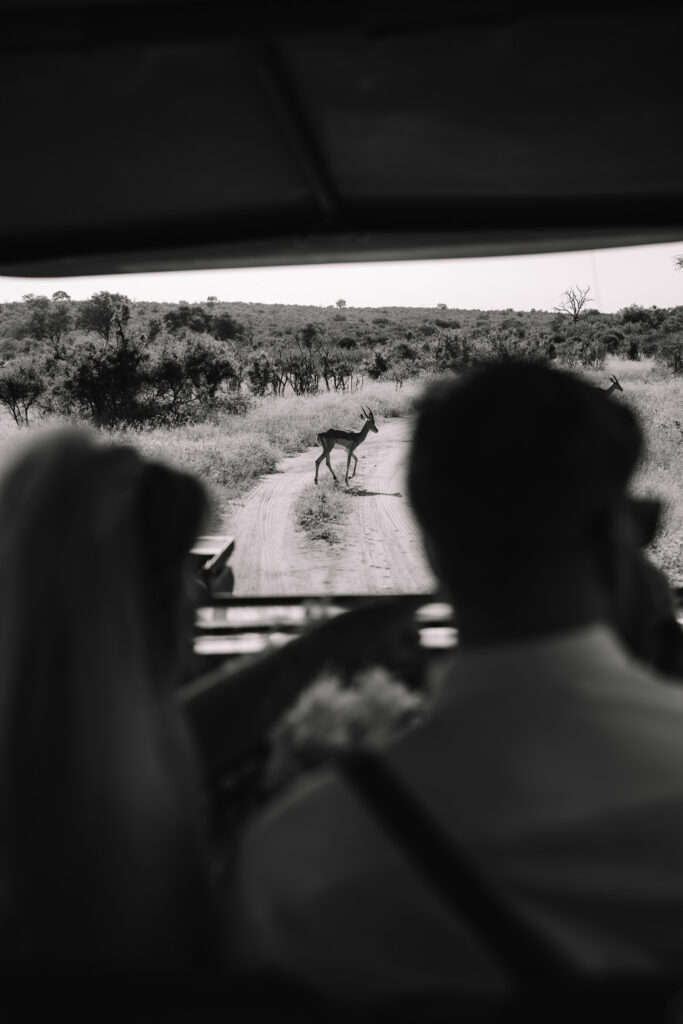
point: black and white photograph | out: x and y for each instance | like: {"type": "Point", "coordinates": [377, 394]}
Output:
{"type": "Point", "coordinates": [341, 511]}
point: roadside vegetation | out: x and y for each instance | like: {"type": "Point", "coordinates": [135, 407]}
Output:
{"type": "Point", "coordinates": [113, 362]}
{"type": "Point", "coordinates": [226, 389]}
{"type": "Point", "coordinates": [230, 451]}
{"type": "Point", "coordinates": [657, 398]}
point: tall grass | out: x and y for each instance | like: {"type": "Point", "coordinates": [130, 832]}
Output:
{"type": "Point", "coordinates": [230, 452]}
{"type": "Point", "coordinates": [656, 396]}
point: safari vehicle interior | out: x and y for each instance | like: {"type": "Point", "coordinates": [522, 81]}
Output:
{"type": "Point", "coordinates": [163, 135]}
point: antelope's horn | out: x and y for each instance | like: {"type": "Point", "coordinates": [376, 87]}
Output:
{"type": "Point", "coordinates": [363, 411]}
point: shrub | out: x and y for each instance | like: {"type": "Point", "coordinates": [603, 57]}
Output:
{"type": "Point", "coordinates": [100, 381]}
{"type": "Point", "coordinates": [22, 385]}
{"type": "Point", "coordinates": [670, 353]}
{"type": "Point", "coordinates": [378, 366]}
{"type": "Point", "coordinates": [122, 381]}
{"type": "Point", "coordinates": [568, 353]}
{"type": "Point", "coordinates": [594, 353]}
{"type": "Point", "coordinates": [236, 403]}
{"type": "Point", "coordinates": [260, 374]}
{"type": "Point", "coordinates": [509, 344]}
{"type": "Point", "coordinates": [320, 511]}
{"type": "Point", "coordinates": [225, 328]}
{"type": "Point", "coordinates": [187, 317]}
{"type": "Point", "coordinates": [184, 377]}
{"type": "Point", "coordinates": [403, 351]}
{"type": "Point", "coordinates": [104, 313]}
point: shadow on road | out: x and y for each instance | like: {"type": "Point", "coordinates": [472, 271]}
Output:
{"type": "Point", "coordinates": [360, 492]}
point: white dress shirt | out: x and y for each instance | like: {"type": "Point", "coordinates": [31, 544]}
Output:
{"type": "Point", "coordinates": [557, 765]}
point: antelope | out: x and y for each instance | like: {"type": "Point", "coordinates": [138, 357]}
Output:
{"type": "Point", "coordinates": [614, 386]}
{"type": "Point", "coordinates": [348, 439]}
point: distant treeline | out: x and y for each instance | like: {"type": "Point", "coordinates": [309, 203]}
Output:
{"type": "Point", "coordinates": [113, 361]}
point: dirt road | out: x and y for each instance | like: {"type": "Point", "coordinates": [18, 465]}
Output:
{"type": "Point", "coordinates": [380, 548]}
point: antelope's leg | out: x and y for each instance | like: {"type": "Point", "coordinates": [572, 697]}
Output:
{"type": "Point", "coordinates": [329, 464]}
{"type": "Point", "coordinates": [348, 463]}
{"type": "Point", "coordinates": [317, 464]}
{"type": "Point", "coordinates": [355, 464]}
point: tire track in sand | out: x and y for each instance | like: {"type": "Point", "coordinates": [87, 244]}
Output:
{"type": "Point", "coordinates": [380, 551]}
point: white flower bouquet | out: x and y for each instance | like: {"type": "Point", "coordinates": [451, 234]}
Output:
{"type": "Point", "coordinates": [333, 716]}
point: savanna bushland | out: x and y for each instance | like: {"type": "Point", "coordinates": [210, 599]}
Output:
{"type": "Point", "coordinates": [226, 388]}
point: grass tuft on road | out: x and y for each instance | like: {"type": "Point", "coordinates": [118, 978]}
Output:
{"type": "Point", "coordinates": [320, 512]}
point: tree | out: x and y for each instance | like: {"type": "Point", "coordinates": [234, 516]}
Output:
{"type": "Point", "coordinates": [102, 383]}
{"type": "Point", "coordinates": [302, 359]}
{"type": "Point", "coordinates": [46, 320]}
{"type": "Point", "coordinates": [647, 318]}
{"type": "Point", "coordinates": [260, 373]}
{"type": "Point", "coordinates": [154, 328]}
{"type": "Point", "coordinates": [186, 317]}
{"type": "Point", "coordinates": [39, 308]}
{"type": "Point", "coordinates": [441, 305]}
{"type": "Point", "coordinates": [593, 353]}
{"type": "Point", "coordinates": [399, 372]}
{"type": "Point", "coordinates": [104, 312]}
{"type": "Point", "coordinates": [61, 296]}
{"type": "Point", "coordinates": [57, 324]}
{"type": "Point", "coordinates": [184, 379]}
{"type": "Point", "coordinates": [21, 386]}
{"type": "Point", "coordinates": [207, 366]}
{"type": "Point", "coordinates": [377, 366]}
{"type": "Point", "coordinates": [212, 300]}
{"type": "Point", "coordinates": [670, 352]}
{"type": "Point", "coordinates": [452, 352]}
{"type": "Point", "coordinates": [573, 301]}
{"type": "Point", "coordinates": [226, 328]}
{"type": "Point", "coordinates": [340, 303]}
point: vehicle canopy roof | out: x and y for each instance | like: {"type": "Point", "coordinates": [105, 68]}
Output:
{"type": "Point", "coordinates": [167, 134]}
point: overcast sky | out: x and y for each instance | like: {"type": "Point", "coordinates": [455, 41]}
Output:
{"type": "Point", "coordinates": [645, 275]}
